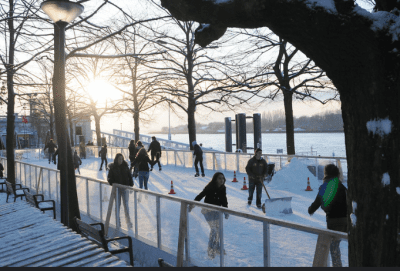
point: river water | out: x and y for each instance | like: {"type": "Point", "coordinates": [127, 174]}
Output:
{"type": "Point", "coordinates": [323, 144]}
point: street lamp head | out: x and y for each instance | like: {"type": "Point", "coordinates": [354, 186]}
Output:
{"type": "Point", "coordinates": [62, 10]}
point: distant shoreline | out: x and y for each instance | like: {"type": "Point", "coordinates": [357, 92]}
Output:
{"type": "Point", "coordinates": [271, 132]}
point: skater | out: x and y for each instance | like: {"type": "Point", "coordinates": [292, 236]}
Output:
{"type": "Point", "coordinates": [77, 161]}
{"type": "Point", "coordinates": [119, 173]}
{"type": "Point", "coordinates": [51, 146]}
{"type": "Point", "coordinates": [132, 152]}
{"type": "Point", "coordinates": [155, 149]}
{"type": "Point", "coordinates": [256, 170]}
{"type": "Point", "coordinates": [331, 198]}
{"type": "Point", "coordinates": [198, 153]}
{"type": "Point", "coordinates": [82, 150]}
{"type": "Point", "coordinates": [103, 155]}
{"type": "Point", "coordinates": [1, 170]}
{"type": "Point", "coordinates": [141, 161]}
{"type": "Point", "coordinates": [215, 194]}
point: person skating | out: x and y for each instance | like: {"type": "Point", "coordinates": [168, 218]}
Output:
{"type": "Point", "coordinates": [82, 150]}
{"type": "Point", "coordinates": [256, 170]}
{"type": "Point", "coordinates": [215, 194]}
{"type": "Point", "coordinates": [103, 155]}
{"type": "Point", "coordinates": [198, 154]}
{"type": "Point", "coordinates": [119, 173]}
{"type": "Point", "coordinates": [142, 160]}
{"type": "Point", "coordinates": [331, 198]}
{"type": "Point", "coordinates": [155, 149]}
{"type": "Point", "coordinates": [77, 161]}
{"type": "Point", "coordinates": [132, 152]}
{"type": "Point", "coordinates": [51, 146]}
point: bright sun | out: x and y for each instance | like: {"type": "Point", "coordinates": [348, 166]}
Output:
{"type": "Point", "coordinates": [101, 91]}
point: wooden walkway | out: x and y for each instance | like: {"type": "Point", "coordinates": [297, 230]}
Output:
{"type": "Point", "coordinates": [30, 238]}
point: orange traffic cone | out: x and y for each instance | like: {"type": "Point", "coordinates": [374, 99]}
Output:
{"type": "Point", "coordinates": [244, 185]}
{"type": "Point", "coordinates": [234, 177]}
{"type": "Point", "coordinates": [308, 185]}
{"type": "Point", "coordinates": [172, 188]}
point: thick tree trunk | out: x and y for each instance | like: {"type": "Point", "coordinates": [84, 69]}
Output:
{"type": "Point", "coordinates": [364, 65]}
{"type": "Point", "coordinates": [287, 100]}
{"type": "Point", "coordinates": [71, 128]}
{"type": "Point", "coordinates": [10, 137]}
{"type": "Point", "coordinates": [136, 123]}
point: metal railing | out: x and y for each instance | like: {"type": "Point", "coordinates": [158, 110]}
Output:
{"type": "Point", "coordinates": [217, 161]}
{"type": "Point", "coordinates": [164, 221]}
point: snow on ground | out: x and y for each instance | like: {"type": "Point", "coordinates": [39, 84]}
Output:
{"type": "Point", "coordinates": [242, 237]}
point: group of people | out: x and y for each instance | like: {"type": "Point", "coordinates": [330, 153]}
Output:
{"type": "Point", "coordinates": [331, 196]}
{"type": "Point", "coordinates": [53, 152]}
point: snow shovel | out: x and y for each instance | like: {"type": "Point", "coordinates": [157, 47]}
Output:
{"type": "Point", "coordinates": [282, 205]}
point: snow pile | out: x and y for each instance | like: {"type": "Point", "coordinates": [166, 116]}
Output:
{"type": "Point", "coordinates": [288, 178]}
{"type": "Point", "coordinates": [380, 127]}
{"type": "Point", "coordinates": [385, 179]}
{"type": "Point", "coordinates": [328, 5]}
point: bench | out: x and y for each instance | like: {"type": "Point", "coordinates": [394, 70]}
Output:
{"type": "Point", "coordinates": [16, 190]}
{"type": "Point", "coordinates": [97, 236]}
{"type": "Point", "coordinates": [43, 205]}
{"type": "Point", "coordinates": [163, 263]}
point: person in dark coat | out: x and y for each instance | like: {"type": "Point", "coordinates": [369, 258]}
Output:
{"type": "Point", "coordinates": [215, 194]}
{"type": "Point", "coordinates": [132, 151]}
{"type": "Point", "coordinates": [51, 146]}
{"type": "Point", "coordinates": [119, 173]}
{"type": "Point", "coordinates": [256, 170]}
{"type": "Point", "coordinates": [103, 155]}
{"type": "Point", "coordinates": [1, 170]}
{"type": "Point", "coordinates": [141, 161]}
{"type": "Point", "coordinates": [198, 154]}
{"type": "Point", "coordinates": [82, 150]}
{"type": "Point", "coordinates": [155, 149]}
{"type": "Point", "coordinates": [331, 198]}
{"type": "Point", "coordinates": [77, 161]}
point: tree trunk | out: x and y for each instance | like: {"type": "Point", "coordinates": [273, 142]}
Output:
{"type": "Point", "coordinates": [97, 125]}
{"type": "Point", "coordinates": [51, 121]}
{"type": "Point", "coordinates": [191, 125]}
{"type": "Point", "coordinates": [136, 113]}
{"type": "Point", "coordinates": [10, 137]}
{"type": "Point", "coordinates": [71, 128]}
{"type": "Point", "coordinates": [287, 100]}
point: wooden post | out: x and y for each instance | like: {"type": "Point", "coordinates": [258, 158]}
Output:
{"type": "Point", "coordinates": [322, 250]}
{"type": "Point", "coordinates": [182, 234]}
{"type": "Point", "coordinates": [110, 206]}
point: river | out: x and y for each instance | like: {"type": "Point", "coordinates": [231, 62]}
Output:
{"type": "Point", "coordinates": [323, 144]}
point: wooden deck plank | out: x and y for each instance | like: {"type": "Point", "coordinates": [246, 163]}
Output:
{"type": "Point", "coordinates": [31, 238]}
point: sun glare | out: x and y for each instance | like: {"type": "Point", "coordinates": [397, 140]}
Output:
{"type": "Point", "coordinates": [101, 91]}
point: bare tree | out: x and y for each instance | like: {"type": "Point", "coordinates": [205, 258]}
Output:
{"type": "Point", "coordinates": [291, 74]}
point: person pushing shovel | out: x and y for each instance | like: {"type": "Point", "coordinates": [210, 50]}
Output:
{"type": "Point", "coordinates": [256, 170]}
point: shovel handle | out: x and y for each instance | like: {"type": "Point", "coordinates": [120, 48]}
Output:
{"type": "Point", "coordinates": [265, 189]}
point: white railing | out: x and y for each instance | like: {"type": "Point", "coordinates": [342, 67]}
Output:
{"type": "Point", "coordinates": [217, 161]}
{"type": "Point", "coordinates": [164, 222]}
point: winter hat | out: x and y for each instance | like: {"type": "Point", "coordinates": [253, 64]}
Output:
{"type": "Point", "coordinates": [153, 137]}
{"type": "Point", "coordinates": [258, 149]}
{"type": "Point", "coordinates": [139, 143]}
{"type": "Point", "coordinates": [331, 170]}
{"type": "Point", "coordinates": [194, 143]}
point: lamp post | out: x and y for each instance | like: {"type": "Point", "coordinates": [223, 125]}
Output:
{"type": "Point", "coordinates": [61, 12]}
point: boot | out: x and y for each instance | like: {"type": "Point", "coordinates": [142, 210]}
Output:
{"type": "Point", "coordinates": [197, 174]}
